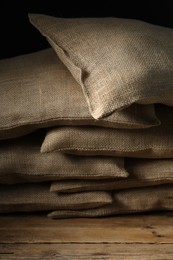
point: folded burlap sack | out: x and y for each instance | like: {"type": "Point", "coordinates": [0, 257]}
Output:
{"type": "Point", "coordinates": [116, 61]}
{"type": "Point", "coordinates": [38, 91]}
{"type": "Point", "coordinates": [37, 197]}
{"type": "Point", "coordinates": [128, 201]}
{"type": "Point", "coordinates": [21, 161]}
{"type": "Point", "coordinates": [155, 142]}
{"type": "Point", "coordinates": [142, 172]}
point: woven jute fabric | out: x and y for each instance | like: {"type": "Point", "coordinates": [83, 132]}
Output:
{"type": "Point", "coordinates": [142, 172]}
{"type": "Point", "coordinates": [128, 201]}
{"type": "Point", "coordinates": [37, 197]}
{"type": "Point", "coordinates": [116, 61]}
{"type": "Point", "coordinates": [38, 91]}
{"type": "Point", "coordinates": [21, 161]}
{"type": "Point", "coordinates": [155, 142]}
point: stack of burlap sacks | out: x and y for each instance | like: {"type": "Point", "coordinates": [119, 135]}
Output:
{"type": "Point", "coordinates": [86, 126]}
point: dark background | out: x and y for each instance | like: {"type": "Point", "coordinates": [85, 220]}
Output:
{"type": "Point", "coordinates": [18, 36]}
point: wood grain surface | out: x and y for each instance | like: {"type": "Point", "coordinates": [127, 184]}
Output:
{"type": "Point", "coordinates": [142, 236]}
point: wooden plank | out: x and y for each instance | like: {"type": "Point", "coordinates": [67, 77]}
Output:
{"type": "Point", "coordinates": [152, 228]}
{"type": "Point", "coordinates": [86, 251]}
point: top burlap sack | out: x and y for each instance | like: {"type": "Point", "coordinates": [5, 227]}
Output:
{"type": "Point", "coordinates": [117, 61]}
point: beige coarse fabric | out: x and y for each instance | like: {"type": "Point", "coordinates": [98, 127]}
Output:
{"type": "Point", "coordinates": [128, 201]}
{"type": "Point", "coordinates": [117, 61]}
{"type": "Point", "coordinates": [21, 161]}
{"type": "Point", "coordinates": [142, 172]}
{"type": "Point", "coordinates": [37, 197]}
{"type": "Point", "coordinates": [37, 90]}
{"type": "Point", "coordinates": [155, 142]}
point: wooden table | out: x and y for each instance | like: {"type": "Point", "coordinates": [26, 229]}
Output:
{"type": "Point", "coordinates": [144, 236]}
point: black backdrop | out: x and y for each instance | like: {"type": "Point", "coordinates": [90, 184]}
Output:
{"type": "Point", "coordinates": [18, 36]}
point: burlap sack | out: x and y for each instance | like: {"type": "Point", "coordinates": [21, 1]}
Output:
{"type": "Point", "coordinates": [21, 161]}
{"type": "Point", "coordinates": [156, 142]}
{"type": "Point", "coordinates": [36, 197]}
{"type": "Point", "coordinates": [142, 172]}
{"type": "Point", "coordinates": [37, 90]}
{"type": "Point", "coordinates": [128, 201]}
{"type": "Point", "coordinates": [116, 61]}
